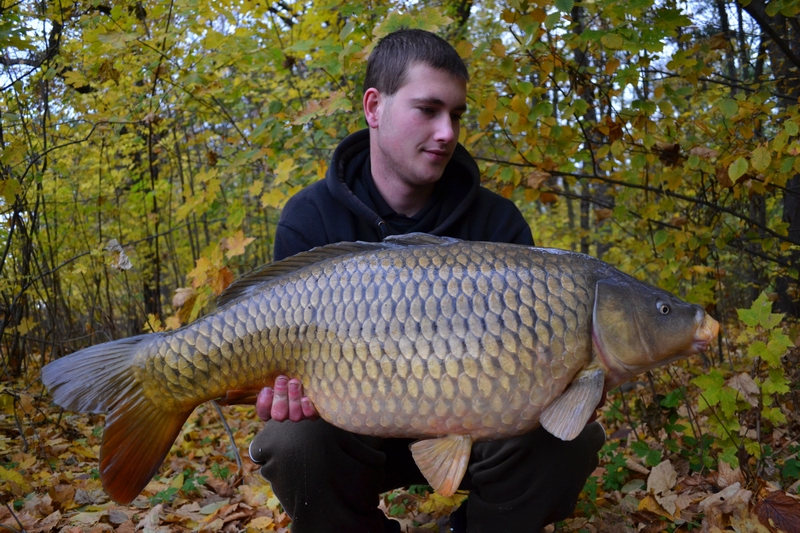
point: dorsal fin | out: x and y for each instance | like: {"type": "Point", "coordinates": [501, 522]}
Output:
{"type": "Point", "coordinates": [420, 239]}
{"type": "Point", "coordinates": [245, 285]}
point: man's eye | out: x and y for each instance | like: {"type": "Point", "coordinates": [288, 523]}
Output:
{"type": "Point", "coordinates": [427, 110]}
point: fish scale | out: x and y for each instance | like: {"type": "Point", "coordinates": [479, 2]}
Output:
{"type": "Point", "coordinates": [419, 337]}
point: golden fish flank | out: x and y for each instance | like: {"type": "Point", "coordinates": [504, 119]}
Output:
{"type": "Point", "coordinates": [419, 336]}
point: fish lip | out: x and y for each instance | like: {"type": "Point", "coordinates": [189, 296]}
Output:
{"type": "Point", "coordinates": [706, 332]}
{"type": "Point", "coordinates": [701, 345]}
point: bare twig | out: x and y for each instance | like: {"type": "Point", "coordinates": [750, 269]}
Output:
{"type": "Point", "coordinates": [234, 448]}
{"type": "Point", "coordinates": [21, 527]}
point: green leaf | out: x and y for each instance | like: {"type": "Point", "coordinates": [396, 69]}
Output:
{"type": "Point", "coordinates": [759, 311]}
{"type": "Point", "coordinates": [728, 108]}
{"type": "Point", "coordinates": [774, 415]}
{"type": "Point", "coordinates": [760, 158]}
{"type": "Point", "coordinates": [777, 347]}
{"type": "Point", "coordinates": [776, 383]}
{"type": "Point", "coordinates": [773, 8]}
{"type": "Point", "coordinates": [674, 398]}
{"type": "Point", "coordinates": [729, 455]}
{"type": "Point", "coordinates": [565, 6]}
{"type": "Point", "coordinates": [711, 386]}
{"type": "Point", "coordinates": [728, 400]}
{"type": "Point", "coordinates": [737, 169]}
{"type": "Point", "coordinates": [660, 237]}
{"type": "Point", "coordinates": [552, 20]}
{"type": "Point", "coordinates": [612, 41]}
{"type": "Point", "coordinates": [791, 127]}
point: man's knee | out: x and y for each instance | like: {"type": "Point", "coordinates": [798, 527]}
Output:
{"type": "Point", "coordinates": [288, 439]}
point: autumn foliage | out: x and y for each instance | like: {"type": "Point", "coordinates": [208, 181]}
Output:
{"type": "Point", "coordinates": [148, 147]}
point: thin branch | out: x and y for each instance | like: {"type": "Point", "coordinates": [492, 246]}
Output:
{"type": "Point", "coordinates": [234, 448]}
{"type": "Point", "coordinates": [756, 10]}
{"type": "Point", "coordinates": [21, 527]}
{"type": "Point", "coordinates": [659, 190]}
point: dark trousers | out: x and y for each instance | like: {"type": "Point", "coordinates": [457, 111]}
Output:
{"type": "Point", "coordinates": [329, 480]}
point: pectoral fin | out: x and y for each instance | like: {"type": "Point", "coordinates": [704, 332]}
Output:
{"type": "Point", "coordinates": [567, 415]}
{"type": "Point", "coordinates": [443, 461]}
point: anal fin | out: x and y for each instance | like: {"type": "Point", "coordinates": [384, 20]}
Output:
{"type": "Point", "coordinates": [443, 461]}
{"type": "Point", "coordinates": [567, 415]}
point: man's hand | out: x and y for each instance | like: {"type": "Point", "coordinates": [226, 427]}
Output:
{"type": "Point", "coordinates": [285, 402]}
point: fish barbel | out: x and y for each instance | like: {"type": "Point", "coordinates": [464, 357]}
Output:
{"type": "Point", "coordinates": [423, 337]}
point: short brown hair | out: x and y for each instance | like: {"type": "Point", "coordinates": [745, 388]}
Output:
{"type": "Point", "coordinates": [394, 54]}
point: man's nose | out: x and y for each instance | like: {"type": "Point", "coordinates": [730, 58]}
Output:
{"type": "Point", "coordinates": [446, 128]}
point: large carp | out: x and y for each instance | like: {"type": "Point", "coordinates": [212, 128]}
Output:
{"type": "Point", "coordinates": [425, 337]}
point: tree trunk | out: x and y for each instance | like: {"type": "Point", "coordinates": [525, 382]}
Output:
{"type": "Point", "coordinates": [783, 49]}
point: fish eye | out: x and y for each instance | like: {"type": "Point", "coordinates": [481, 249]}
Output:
{"type": "Point", "coordinates": [663, 308]}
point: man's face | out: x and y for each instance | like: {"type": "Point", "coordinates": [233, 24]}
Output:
{"type": "Point", "coordinates": [416, 129]}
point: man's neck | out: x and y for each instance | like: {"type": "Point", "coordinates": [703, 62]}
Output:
{"type": "Point", "coordinates": [402, 197]}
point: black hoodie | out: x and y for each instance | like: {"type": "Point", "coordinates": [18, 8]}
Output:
{"type": "Point", "coordinates": [346, 206]}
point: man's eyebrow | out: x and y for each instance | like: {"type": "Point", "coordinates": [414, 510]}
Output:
{"type": "Point", "coordinates": [437, 102]}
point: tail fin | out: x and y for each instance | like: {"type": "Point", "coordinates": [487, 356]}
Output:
{"type": "Point", "coordinates": [138, 432]}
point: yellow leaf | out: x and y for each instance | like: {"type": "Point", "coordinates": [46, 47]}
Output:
{"type": "Point", "coordinates": [177, 481]}
{"type": "Point", "coordinates": [538, 15]}
{"type": "Point", "coordinates": [650, 504]}
{"type": "Point", "coordinates": [13, 477]}
{"type": "Point", "coordinates": [256, 188]}
{"type": "Point", "coordinates": [283, 171]}
{"type": "Point", "coordinates": [485, 117]}
{"type": "Point", "coordinates": [612, 41]}
{"type": "Point", "coordinates": [612, 65]}
{"type": "Point", "coordinates": [760, 158]}
{"type": "Point", "coordinates": [261, 523]}
{"type": "Point", "coordinates": [235, 245]}
{"type": "Point", "coordinates": [25, 461]}
{"type": "Point", "coordinates": [518, 104]}
{"type": "Point", "coordinates": [75, 79]}
{"type": "Point", "coordinates": [464, 48]}
{"type": "Point", "coordinates": [153, 324]}
{"type": "Point", "coordinates": [435, 502]}
{"type": "Point", "coordinates": [25, 325]}
{"type": "Point", "coordinates": [273, 198]}
{"type": "Point", "coordinates": [200, 272]}
{"type": "Point", "coordinates": [537, 178]}
{"type": "Point", "coordinates": [498, 49]}
{"type": "Point", "coordinates": [26, 404]}
{"type": "Point", "coordinates": [172, 323]}
{"type": "Point", "coordinates": [84, 451]}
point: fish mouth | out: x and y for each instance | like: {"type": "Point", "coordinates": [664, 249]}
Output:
{"type": "Point", "coordinates": [706, 332]}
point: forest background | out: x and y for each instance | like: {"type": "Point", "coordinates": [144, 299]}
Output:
{"type": "Point", "coordinates": [148, 147]}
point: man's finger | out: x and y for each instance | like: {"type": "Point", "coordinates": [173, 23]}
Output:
{"type": "Point", "coordinates": [295, 394]}
{"type": "Point", "coordinates": [280, 402]}
{"type": "Point", "coordinates": [264, 403]}
{"type": "Point", "coordinates": [309, 411]}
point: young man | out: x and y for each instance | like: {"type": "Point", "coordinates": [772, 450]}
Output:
{"type": "Point", "coordinates": [406, 173]}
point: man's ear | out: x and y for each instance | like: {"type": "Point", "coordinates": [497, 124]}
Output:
{"type": "Point", "coordinates": [372, 103]}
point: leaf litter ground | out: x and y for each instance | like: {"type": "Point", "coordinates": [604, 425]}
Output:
{"type": "Point", "coordinates": [648, 479]}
